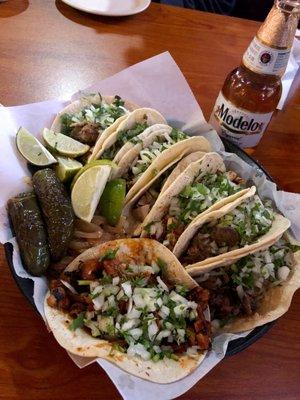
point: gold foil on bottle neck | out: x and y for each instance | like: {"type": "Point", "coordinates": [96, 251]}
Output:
{"type": "Point", "coordinates": [279, 28]}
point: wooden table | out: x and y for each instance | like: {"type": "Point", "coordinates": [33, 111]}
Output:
{"type": "Point", "coordinates": [47, 50]}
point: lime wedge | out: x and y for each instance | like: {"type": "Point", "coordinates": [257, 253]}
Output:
{"type": "Point", "coordinates": [32, 150]}
{"type": "Point", "coordinates": [63, 144]}
{"type": "Point", "coordinates": [87, 191]}
{"type": "Point", "coordinates": [112, 200]}
{"type": "Point", "coordinates": [90, 165]}
{"type": "Point", "coordinates": [66, 168]}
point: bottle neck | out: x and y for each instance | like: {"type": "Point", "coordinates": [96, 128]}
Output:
{"type": "Point", "coordinates": [279, 28]}
{"type": "Point", "coordinates": [269, 51]}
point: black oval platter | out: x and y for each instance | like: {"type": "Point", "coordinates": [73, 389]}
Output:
{"type": "Point", "coordinates": [235, 346]}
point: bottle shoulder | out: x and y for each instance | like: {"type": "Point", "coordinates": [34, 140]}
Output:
{"type": "Point", "coordinates": [252, 91]}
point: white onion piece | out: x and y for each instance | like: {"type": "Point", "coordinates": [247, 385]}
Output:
{"type": "Point", "coordinates": [98, 302]}
{"type": "Point", "coordinates": [152, 330]}
{"type": "Point", "coordinates": [127, 288]}
{"type": "Point", "coordinates": [116, 280]}
{"type": "Point", "coordinates": [240, 291]}
{"type": "Point", "coordinates": [136, 333]}
{"type": "Point", "coordinates": [129, 306]}
{"type": "Point", "coordinates": [138, 349]}
{"type": "Point", "coordinates": [67, 285]}
{"type": "Point", "coordinates": [283, 273]}
{"type": "Point", "coordinates": [163, 334]}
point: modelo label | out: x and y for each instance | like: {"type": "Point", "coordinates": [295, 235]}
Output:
{"type": "Point", "coordinates": [240, 126]}
{"type": "Point", "coordinates": [265, 59]}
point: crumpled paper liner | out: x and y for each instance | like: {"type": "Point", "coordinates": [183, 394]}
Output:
{"type": "Point", "coordinates": [158, 83]}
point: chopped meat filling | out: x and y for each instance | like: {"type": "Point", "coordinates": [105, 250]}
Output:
{"type": "Point", "coordinates": [87, 134]}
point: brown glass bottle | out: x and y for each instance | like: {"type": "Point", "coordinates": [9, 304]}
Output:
{"type": "Point", "coordinates": [251, 92]}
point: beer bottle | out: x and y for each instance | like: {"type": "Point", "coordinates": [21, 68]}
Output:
{"type": "Point", "coordinates": [251, 92]}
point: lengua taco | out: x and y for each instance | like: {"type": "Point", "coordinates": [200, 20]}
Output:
{"type": "Point", "coordinates": [222, 236]}
{"type": "Point", "coordinates": [110, 143]}
{"type": "Point", "coordinates": [87, 119]}
{"type": "Point", "coordinates": [130, 301]}
{"type": "Point", "coordinates": [254, 290]}
{"type": "Point", "coordinates": [202, 187]}
{"type": "Point", "coordinates": [142, 196]}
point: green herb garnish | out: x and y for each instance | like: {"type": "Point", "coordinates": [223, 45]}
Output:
{"type": "Point", "coordinates": [77, 322]}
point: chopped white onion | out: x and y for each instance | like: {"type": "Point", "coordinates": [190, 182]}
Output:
{"type": "Point", "coordinates": [283, 273]}
{"type": "Point", "coordinates": [132, 323]}
{"type": "Point", "coordinates": [138, 349]}
{"type": "Point", "coordinates": [136, 333]}
{"type": "Point", "coordinates": [127, 288]}
{"type": "Point", "coordinates": [129, 306]}
{"type": "Point", "coordinates": [67, 285]}
{"type": "Point", "coordinates": [152, 330]}
{"type": "Point", "coordinates": [163, 334]}
{"type": "Point", "coordinates": [98, 302]}
{"type": "Point", "coordinates": [116, 280]}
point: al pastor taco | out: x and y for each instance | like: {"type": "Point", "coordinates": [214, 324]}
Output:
{"type": "Point", "coordinates": [255, 289]}
{"type": "Point", "coordinates": [222, 236]}
{"type": "Point", "coordinates": [202, 187]}
{"type": "Point", "coordinates": [87, 119]}
{"type": "Point", "coordinates": [130, 301]}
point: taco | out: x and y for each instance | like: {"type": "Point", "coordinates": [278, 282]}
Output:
{"type": "Point", "coordinates": [130, 301]}
{"type": "Point", "coordinates": [108, 145]}
{"type": "Point", "coordinates": [142, 196]}
{"type": "Point", "coordinates": [87, 119]}
{"type": "Point", "coordinates": [254, 290]}
{"type": "Point", "coordinates": [202, 187]}
{"type": "Point", "coordinates": [181, 166]}
{"type": "Point", "coordinates": [147, 149]}
{"type": "Point", "coordinates": [222, 236]}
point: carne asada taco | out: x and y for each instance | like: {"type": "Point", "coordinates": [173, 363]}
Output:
{"type": "Point", "coordinates": [130, 301]}
{"type": "Point", "coordinates": [222, 236]}
{"type": "Point", "coordinates": [204, 186]}
{"type": "Point", "coordinates": [254, 290]}
{"type": "Point", "coordinates": [135, 123]}
{"type": "Point", "coordinates": [87, 119]}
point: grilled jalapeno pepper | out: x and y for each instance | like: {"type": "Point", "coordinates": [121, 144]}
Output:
{"type": "Point", "coordinates": [56, 209]}
{"type": "Point", "coordinates": [30, 232]}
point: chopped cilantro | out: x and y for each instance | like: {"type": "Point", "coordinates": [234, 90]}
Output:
{"type": "Point", "coordinates": [109, 255]}
{"type": "Point", "coordinates": [77, 322]}
{"type": "Point", "coordinates": [118, 102]}
{"type": "Point", "coordinates": [66, 122]}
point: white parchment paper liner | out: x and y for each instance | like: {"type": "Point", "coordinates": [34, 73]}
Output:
{"type": "Point", "coordinates": [158, 83]}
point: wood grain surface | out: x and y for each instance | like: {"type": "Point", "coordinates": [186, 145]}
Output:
{"type": "Point", "coordinates": [47, 50]}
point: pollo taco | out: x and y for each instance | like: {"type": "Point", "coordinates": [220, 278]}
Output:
{"type": "Point", "coordinates": [159, 148]}
{"type": "Point", "coordinates": [110, 143]}
{"type": "Point", "coordinates": [254, 290]}
{"type": "Point", "coordinates": [142, 196]}
{"type": "Point", "coordinates": [243, 226]}
{"type": "Point", "coordinates": [91, 117]}
{"type": "Point", "coordinates": [202, 187]}
{"type": "Point", "coordinates": [130, 301]}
